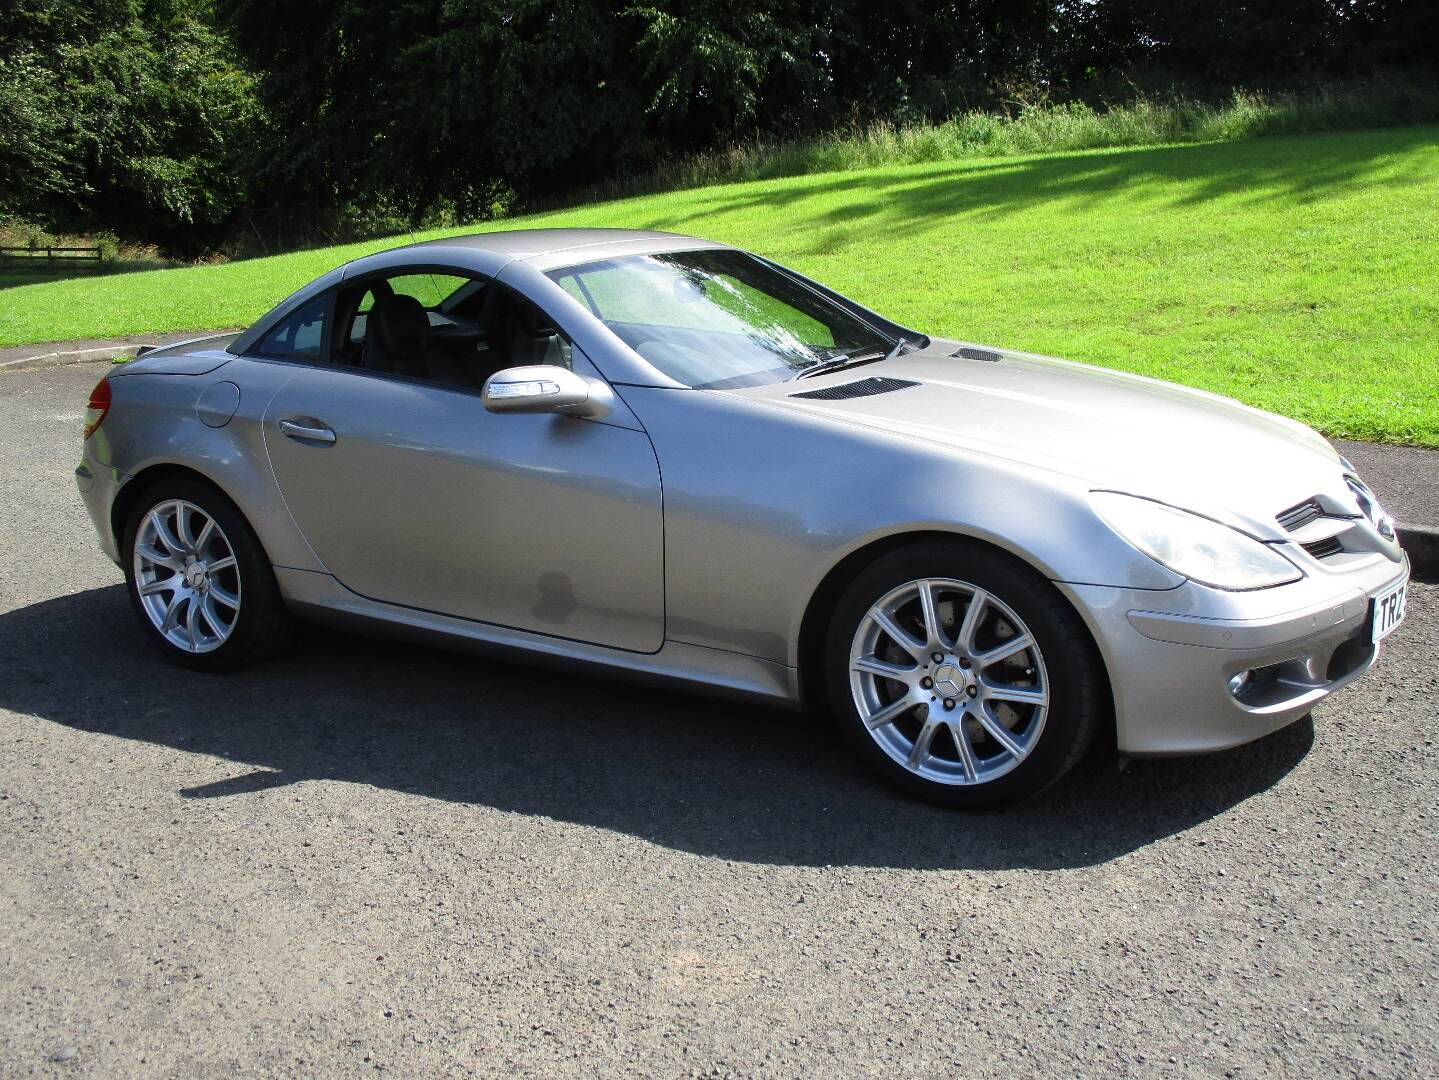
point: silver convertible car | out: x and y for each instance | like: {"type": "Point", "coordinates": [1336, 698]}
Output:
{"type": "Point", "coordinates": [661, 456]}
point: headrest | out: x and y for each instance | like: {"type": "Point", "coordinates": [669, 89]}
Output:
{"type": "Point", "coordinates": [402, 325]}
{"type": "Point", "coordinates": [532, 321]}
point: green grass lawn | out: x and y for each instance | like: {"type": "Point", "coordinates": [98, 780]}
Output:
{"type": "Point", "coordinates": [1297, 273]}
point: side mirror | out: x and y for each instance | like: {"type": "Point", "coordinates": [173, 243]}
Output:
{"type": "Point", "coordinates": [546, 388]}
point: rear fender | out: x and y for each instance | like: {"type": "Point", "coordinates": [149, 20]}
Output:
{"type": "Point", "coordinates": [154, 425]}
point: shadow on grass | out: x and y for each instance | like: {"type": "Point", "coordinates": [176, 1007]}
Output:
{"type": "Point", "coordinates": [688, 773]}
{"type": "Point", "coordinates": [13, 276]}
{"type": "Point", "coordinates": [14, 279]}
{"type": "Point", "coordinates": [1281, 170]}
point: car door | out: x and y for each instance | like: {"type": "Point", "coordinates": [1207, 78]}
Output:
{"type": "Point", "coordinates": [414, 494]}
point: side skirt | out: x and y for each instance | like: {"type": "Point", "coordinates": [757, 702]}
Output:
{"type": "Point", "coordinates": [320, 598]}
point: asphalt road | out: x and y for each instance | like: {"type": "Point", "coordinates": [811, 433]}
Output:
{"type": "Point", "coordinates": [371, 857]}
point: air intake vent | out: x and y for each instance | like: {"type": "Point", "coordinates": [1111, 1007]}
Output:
{"type": "Point", "coordinates": [1322, 549]}
{"type": "Point", "coordinates": [863, 388]}
{"type": "Point", "coordinates": [1296, 517]}
{"type": "Point", "coordinates": [970, 353]}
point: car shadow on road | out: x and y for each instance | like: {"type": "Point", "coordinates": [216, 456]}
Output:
{"type": "Point", "coordinates": [709, 777]}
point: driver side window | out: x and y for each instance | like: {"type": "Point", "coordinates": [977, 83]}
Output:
{"type": "Point", "coordinates": [442, 327]}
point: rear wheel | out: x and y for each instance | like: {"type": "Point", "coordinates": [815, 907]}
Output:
{"type": "Point", "coordinates": [961, 676]}
{"type": "Point", "coordinates": [198, 578]}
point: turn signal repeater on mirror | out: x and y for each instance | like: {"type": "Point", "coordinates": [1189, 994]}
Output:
{"type": "Point", "coordinates": [529, 388]}
{"type": "Point", "coordinates": [98, 407]}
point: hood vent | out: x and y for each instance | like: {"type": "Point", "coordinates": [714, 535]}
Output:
{"type": "Point", "coordinates": [970, 353]}
{"type": "Point", "coordinates": [863, 388]}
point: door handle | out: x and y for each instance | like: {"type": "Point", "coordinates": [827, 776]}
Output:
{"type": "Point", "coordinates": [296, 430]}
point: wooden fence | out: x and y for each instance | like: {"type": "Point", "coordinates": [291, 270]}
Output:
{"type": "Point", "coordinates": [51, 259]}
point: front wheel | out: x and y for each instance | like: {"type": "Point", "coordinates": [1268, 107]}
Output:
{"type": "Point", "coordinates": [961, 675]}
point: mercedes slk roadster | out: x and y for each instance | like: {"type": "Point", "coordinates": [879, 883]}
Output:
{"type": "Point", "coordinates": [665, 457]}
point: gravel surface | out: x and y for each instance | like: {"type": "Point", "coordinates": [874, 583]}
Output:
{"type": "Point", "coordinates": [371, 857]}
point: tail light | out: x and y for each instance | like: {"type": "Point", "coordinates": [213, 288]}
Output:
{"type": "Point", "coordinates": [98, 407]}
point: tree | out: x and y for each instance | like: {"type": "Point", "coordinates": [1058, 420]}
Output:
{"type": "Point", "coordinates": [162, 119]}
{"type": "Point", "coordinates": [126, 115]}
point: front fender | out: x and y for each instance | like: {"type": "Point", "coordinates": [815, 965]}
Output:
{"type": "Point", "coordinates": [762, 503]}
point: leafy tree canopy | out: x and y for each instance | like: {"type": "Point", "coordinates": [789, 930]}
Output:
{"type": "Point", "coordinates": [180, 121]}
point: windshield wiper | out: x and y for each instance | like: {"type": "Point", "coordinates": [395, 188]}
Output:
{"type": "Point", "coordinates": [838, 363]}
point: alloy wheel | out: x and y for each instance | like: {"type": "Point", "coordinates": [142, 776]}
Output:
{"type": "Point", "coordinates": [186, 576]}
{"type": "Point", "coordinates": [949, 681]}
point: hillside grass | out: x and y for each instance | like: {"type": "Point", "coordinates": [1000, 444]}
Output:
{"type": "Point", "coordinates": [1047, 129]}
{"type": "Point", "coordinates": [1298, 273]}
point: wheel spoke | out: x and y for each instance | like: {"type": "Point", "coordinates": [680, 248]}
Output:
{"type": "Point", "coordinates": [220, 564]}
{"type": "Point", "coordinates": [229, 599]}
{"type": "Point", "coordinates": [158, 557]}
{"type": "Point", "coordinates": [930, 611]}
{"type": "Point", "coordinates": [919, 753]}
{"type": "Point", "coordinates": [889, 713]}
{"type": "Point", "coordinates": [873, 665]}
{"type": "Point", "coordinates": [1022, 695]}
{"type": "Point", "coordinates": [167, 539]}
{"type": "Point", "coordinates": [211, 616]}
{"type": "Point", "coordinates": [901, 637]}
{"type": "Point", "coordinates": [207, 531]}
{"type": "Point", "coordinates": [1003, 652]}
{"type": "Point", "coordinates": [182, 527]}
{"type": "Point", "coordinates": [998, 732]}
{"type": "Point", "coordinates": [172, 611]}
{"type": "Point", "coordinates": [170, 584]}
{"type": "Point", "coordinates": [970, 626]}
{"type": "Point", "coordinates": [965, 748]}
{"type": "Point", "coordinates": [192, 624]}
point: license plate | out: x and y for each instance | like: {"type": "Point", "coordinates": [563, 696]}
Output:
{"type": "Point", "coordinates": [1387, 611]}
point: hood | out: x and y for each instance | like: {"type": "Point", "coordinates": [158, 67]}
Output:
{"type": "Point", "coordinates": [1107, 429]}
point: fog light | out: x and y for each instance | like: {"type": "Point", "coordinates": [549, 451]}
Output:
{"type": "Point", "coordinates": [1237, 683]}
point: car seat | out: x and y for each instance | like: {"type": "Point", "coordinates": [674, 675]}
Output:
{"type": "Point", "coordinates": [397, 337]}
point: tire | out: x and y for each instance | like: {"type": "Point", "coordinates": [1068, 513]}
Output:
{"type": "Point", "coordinates": [226, 614]}
{"type": "Point", "coordinates": [976, 728]}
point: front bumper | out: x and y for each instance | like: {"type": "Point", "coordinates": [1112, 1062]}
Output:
{"type": "Point", "coordinates": [1171, 654]}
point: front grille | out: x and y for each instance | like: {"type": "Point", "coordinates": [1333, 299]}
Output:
{"type": "Point", "coordinates": [1323, 549]}
{"type": "Point", "coordinates": [1296, 517]}
{"type": "Point", "coordinates": [1318, 532]}
{"type": "Point", "coordinates": [862, 388]}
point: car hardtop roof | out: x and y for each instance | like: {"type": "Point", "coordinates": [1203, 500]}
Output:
{"type": "Point", "coordinates": [542, 250]}
{"type": "Point", "coordinates": [560, 247]}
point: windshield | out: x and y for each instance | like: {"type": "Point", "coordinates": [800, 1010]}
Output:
{"type": "Point", "coordinates": [718, 318]}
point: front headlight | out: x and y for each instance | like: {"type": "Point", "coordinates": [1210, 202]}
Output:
{"type": "Point", "coordinates": [1202, 550]}
{"type": "Point", "coordinates": [1368, 505]}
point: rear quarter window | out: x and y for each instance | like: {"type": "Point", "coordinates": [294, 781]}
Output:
{"type": "Point", "coordinates": [300, 337]}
